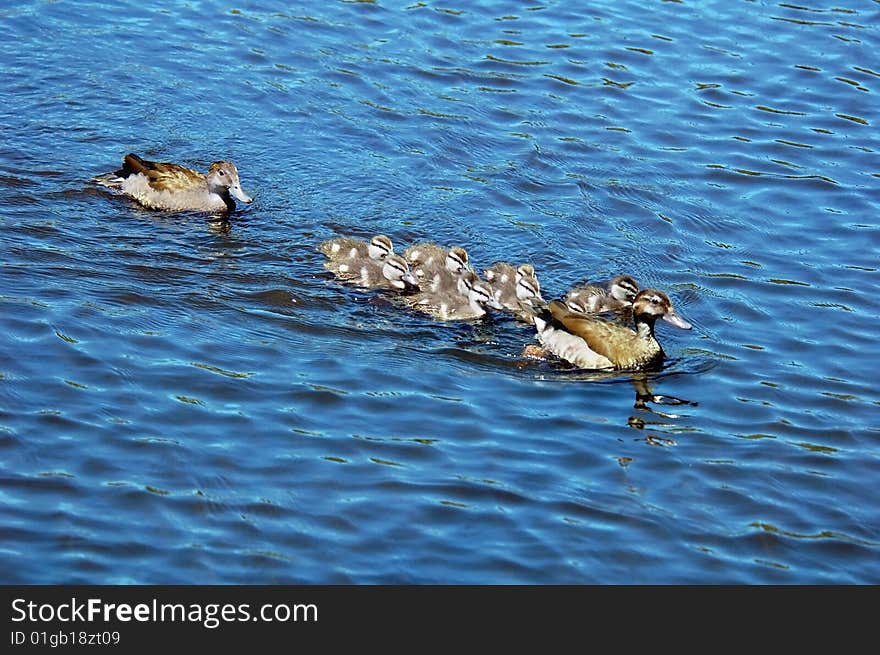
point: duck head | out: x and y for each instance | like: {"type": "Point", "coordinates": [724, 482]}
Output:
{"type": "Point", "coordinates": [480, 293]}
{"type": "Point", "coordinates": [651, 304]}
{"type": "Point", "coordinates": [466, 281]}
{"type": "Point", "coordinates": [623, 288]}
{"type": "Point", "coordinates": [456, 260]}
{"type": "Point", "coordinates": [577, 304]}
{"type": "Point", "coordinates": [223, 179]}
{"type": "Point", "coordinates": [528, 289]}
{"type": "Point", "coordinates": [396, 271]}
{"type": "Point", "coordinates": [380, 247]}
{"type": "Point", "coordinates": [476, 290]}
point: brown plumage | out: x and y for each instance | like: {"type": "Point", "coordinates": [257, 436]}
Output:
{"type": "Point", "coordinates": [162, 176]}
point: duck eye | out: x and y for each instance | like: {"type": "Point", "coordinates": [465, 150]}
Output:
{"type": "Point", "coordinates": [221, 172]}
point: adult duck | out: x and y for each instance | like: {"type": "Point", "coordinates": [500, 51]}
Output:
{"type": "Point", "coordinates": [172, 187]}
{"type": "Point", "coordinates": [591, 342]}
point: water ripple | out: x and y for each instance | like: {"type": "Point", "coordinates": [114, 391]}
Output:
{"type": "Point", "coordinates": [203, 400]}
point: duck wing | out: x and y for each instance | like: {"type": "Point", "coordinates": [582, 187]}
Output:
{"type": "Point", "coordinates": [162, 176]}
{"type": "Point", "coordinates": [602, 337]}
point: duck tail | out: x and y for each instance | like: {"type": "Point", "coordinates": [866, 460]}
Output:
{"type": "Point", "coordinates": [540, 316]}
{"type": "Point", "coordinates": [131, 164]}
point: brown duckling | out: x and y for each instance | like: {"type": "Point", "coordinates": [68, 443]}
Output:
{"type": "Point", "coordinates": [467, 302]}
{"type": "Point", "coordinates": [517, 290]}
{"type": "Point", "coordinates": [616, 296]}
{"type": "Point", "coordinates": [436, 267]}
{"type": "Point", "coordinates": [355, 250]}
{"type": "Point", "coordinates": [392, 272]}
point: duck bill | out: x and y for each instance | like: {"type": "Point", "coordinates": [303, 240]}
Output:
{"type": "Point", "coordinates": [238, 193]}
{"type": "Point", "coordinates": [677, 321]}
{"type": "Point", "coordinates": [410, 283]}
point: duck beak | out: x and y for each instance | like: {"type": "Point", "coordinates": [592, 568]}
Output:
{"type": "Point", "coordinates": [494, 304]}
{"type": "Point", "coordinates": [410, 282]}
{"type": "Point", "coordinates": [677, 321]}
{"type": "Point", "coordinates": [239, 194]}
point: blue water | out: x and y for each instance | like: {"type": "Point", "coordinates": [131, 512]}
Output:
{"type": "Point", "coordinates": [183, 401]}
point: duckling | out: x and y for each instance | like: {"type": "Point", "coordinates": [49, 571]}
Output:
{"type": "Point", "coordinates": [467, 302]}
{"type": "Point", "coordinates": [346, 248]}
{"type": "Point", "coordinates": [436, 267]}
{"type": "Point", "coordinates": [579, 304]}
{"type": "Point", "coordinates": [172, 187]}
{"type": "Point", "coordinates": [392, 272]}
{"type": "Point", "coordinates": [588, 341]}
{"type": "Point", "coordinates": [515, 289]}
{"type": "Point", "coordinates": [617, 296]}
{"type": "Point", "coordinates": [425, 297]}
{"type": "Point", "coordinates": [427, 254]}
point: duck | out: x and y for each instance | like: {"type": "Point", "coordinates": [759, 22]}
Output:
{"type": "Point", "coordinates": [592, 342]}
{"type": "Point", "coordinates": [616, 296]}
{"type": "Point", "coordinates": [392, 273]}
{"type": "Point", "coordinates": [436, 267]}
{"type": "Point", "coordinates": [347, 248]}
{"type": "Point", "coordinates": [516, 289]}
{"type": "Point", "coordinates": [172, 187]}
{"type": "Point", "coordinates": [426, 254]}
{"type": "Point", "coordinates": [467, 302]}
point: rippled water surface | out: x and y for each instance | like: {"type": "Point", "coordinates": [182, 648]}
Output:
{"type": "Point", "coordinates": [183, 401]}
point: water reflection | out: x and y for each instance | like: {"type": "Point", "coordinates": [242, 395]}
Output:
{"type": "Point", "coordinates": [644, 396]}
{"type": "Point", "coordinates": [221, 226]}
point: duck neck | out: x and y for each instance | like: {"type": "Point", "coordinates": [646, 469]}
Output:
{"type": "Point", "coordinates": [645, 327]}
{"type": "Point", "coordinates": [221, 191]}
{"type": "Point", "coordinates": [648, 349]}
{"type": "Point", "coordinates": [227, 199]}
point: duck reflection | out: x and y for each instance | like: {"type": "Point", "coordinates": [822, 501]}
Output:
{"type": "Point", "coordinates": [644, 395]}
{"type": "Point", "coordinates": [221, 226]}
